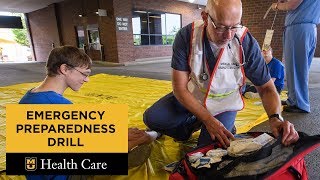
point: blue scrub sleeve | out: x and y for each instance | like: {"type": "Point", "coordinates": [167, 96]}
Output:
{"type": "Point", "coordinates": [181, 49]}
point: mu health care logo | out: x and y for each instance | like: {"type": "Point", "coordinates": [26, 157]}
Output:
{"type": "Point", "coordinates": [31, 163]}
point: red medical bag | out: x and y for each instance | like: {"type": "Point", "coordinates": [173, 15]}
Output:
{"type": "Point", "coordinates": [293, 168]}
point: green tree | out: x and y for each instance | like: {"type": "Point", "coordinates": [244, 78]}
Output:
{"type": "Point", "coordinates": [174, 30]}
{"type": "Point", "coordinates": [20, 35]}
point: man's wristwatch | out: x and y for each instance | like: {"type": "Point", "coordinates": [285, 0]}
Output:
{"type": "Point", "coordinates": [276, 116]}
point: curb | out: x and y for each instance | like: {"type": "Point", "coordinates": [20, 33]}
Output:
{"type": "Point", "coordinates": [139, 62]}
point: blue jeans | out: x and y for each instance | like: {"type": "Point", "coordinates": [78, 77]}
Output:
{"type": "Point", "coordinates": [169, 117]}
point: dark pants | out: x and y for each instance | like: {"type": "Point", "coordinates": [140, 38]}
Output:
{"type": "Point", "coordinates": [169, 117]}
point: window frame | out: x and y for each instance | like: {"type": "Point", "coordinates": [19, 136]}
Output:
{"type": "Point", "coordinates": [166, 35]}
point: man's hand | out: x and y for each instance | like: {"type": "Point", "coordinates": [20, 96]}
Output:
{"type": "Point", "coordinates": [134, 133]}
{"type": "Point", "coordinates": [286, 5]}
{"type": "Point", "coordinates": [215, 128]}
{"type": "Point", "coordinates": [272, 104]}
{"type": "Point", "coordinates": [137, 137]}
{"type": "Point", "coordinates": [275, 6]}
{"type": "Point", "coordinates": [218, 132]}
{"type": "Point", "coordinates": [289, 136]}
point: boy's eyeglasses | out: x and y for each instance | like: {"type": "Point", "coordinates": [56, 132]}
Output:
{"type": "Point", "coordinates": [84, 74]}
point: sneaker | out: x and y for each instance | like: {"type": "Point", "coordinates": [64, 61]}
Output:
{"type": "Point", "coordinates": [153, 134]}
{"type": "Point", "coordinates": [293, 109]}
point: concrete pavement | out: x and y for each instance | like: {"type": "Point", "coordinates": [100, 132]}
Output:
{"type": "Point", "coordinates": [308, 123]}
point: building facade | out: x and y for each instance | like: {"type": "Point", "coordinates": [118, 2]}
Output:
{"type": "Point", "coordinates": [121, 31]}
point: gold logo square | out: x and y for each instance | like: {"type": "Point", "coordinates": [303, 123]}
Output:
{"type": "Point", "coordinates": [31, 163]}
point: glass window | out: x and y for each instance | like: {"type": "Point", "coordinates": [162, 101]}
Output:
{"type": "Point", "coordinates": [93, 36]}
{"type": "Point", "coordinates": [173, 22]}
{"type": "Point", "coordinates": [140, 22]}
{"type": "Point", "coordinates": [170, 39]}
{"type": "Point", "coordinates": [156, 40]}
{"type": "Point", "coordinates": [155, 23]}
{"type": "Point", "coordinates": [145, 40]}
{"type": "Point", "coordinates": [154, 28]}
{"type": "Point", "coordinates": [80, 36]}
{"type": "Point", "coordinates": [136, 27]}
{"type": "Point", "coordinates": [137, 40]}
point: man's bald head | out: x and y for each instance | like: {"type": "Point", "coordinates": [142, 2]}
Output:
{"type": "Point", "coordinates": [225, 10]}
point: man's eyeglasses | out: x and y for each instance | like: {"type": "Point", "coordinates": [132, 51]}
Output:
{"type": "Point", "coordinates": [84, 74]}
{"type": "Point", "coordinates": [222, 29]}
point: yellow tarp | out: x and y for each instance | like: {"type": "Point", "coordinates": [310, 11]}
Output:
{"type": "Point", "coordinates": [139, 94]}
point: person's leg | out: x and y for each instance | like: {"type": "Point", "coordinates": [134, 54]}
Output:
{"type": "Point", "coordinates": [226, 118]}
{"type": "Point", "coordinates": [169, 117]}
{"type": "Point", "coordinates": [298, 57]}
{"type": "Point", "coordinates": [289, 64]}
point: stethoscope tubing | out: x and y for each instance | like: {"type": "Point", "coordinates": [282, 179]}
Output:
{"type": "Point", "coordinates": [204, 76]}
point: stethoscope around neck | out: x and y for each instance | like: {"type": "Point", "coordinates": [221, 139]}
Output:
{"type": "Point", "coordinates": [204, 76]}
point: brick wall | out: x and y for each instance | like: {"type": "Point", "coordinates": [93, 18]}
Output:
{"type": "Point", "coordinates": [253, 12]}
{"type": "Point", "coordinates": [141, 52]}
{"type": "Point", "coordinates": [188, 11]}
{"type": "Point", "coordinates": [118, 45]}
{"type": "Point", "coordinates": [69, 11]}
{"type": "Point", "coordinates": [123, 9]}
{"type": "Point", "coordinates": [68, 18]}
{"type": "Point", "coordinates": [126, 50]}
{"type": "Point", "coordinates": [108, 32]}
{"type": "Point", "coordinates": [56, 24]}
{"type": "Point", "coordinates": [44, 30]}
